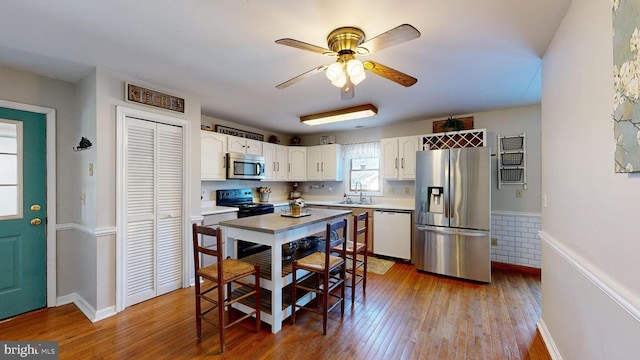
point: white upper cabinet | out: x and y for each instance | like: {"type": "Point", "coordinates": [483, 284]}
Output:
{"type": "Point", "coordinates": [399, 157]}
{"type": "Point", "coordinates": [245, 146]}
{"type": "Point", "coordinates": [275, 161]}
{"type": "Point", "coordinates": [297, 164]}
{"type": "Point", "coordinates": [213, 148]}
{"type": "Point", "coordinates": [324, 162]}
{"type": "Point", "coordinates": [282, 159]}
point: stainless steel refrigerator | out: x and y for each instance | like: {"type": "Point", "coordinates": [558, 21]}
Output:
{"type": "Point", "coordinates": [453, 213]}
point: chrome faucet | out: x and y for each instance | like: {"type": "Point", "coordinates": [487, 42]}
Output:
{"type": "Point", "coordinates": [362, 197]}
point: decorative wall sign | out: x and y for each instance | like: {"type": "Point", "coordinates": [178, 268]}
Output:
{"type": "Point", "coordinates": [140, 95]}
{"type": "Point", "coordinates": [626, 82]}
{"type": "Point", "coordinates": [439, 126]}
{"type": "Point", "coordinates": [239, 133]}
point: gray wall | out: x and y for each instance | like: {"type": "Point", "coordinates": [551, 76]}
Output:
{"type": "Point", "coordinates": [511, 121]}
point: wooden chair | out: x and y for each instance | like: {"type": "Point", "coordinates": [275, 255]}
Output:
{"type": "Point", "coordinates": [355, 247]}
{"type": "Point", "coordinates": [326, 273]}
{"type": "Point", "coordinates": [233, 271]}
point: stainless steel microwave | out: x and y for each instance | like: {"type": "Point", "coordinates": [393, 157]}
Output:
{"type": "Point", "coordinates": [242, 166]}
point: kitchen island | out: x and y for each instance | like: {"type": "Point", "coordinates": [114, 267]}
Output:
{"type": "Point", "coordinates": [275, 230]}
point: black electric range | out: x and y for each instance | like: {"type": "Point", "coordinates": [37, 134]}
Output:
{"type": "Point", "coordinates": [243, 200]}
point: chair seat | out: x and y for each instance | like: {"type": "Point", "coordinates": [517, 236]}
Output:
{"type": "Point", "coordinates": [233, 269]}
{"type": "Point", "coordinates": [359, 247]}
{"type": "Point", "coordinates": [315, 261]}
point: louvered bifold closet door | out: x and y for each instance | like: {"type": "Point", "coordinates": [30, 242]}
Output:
{"type": "Point", "coordinates": [140, 189]}
{"type": "Point", "coordinates": [154, 183]}
{"type": "Point", "coordinates": [170, 170]}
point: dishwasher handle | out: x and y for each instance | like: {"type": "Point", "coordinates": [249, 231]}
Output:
{"type": "Point", "coordinates": [392, 211]}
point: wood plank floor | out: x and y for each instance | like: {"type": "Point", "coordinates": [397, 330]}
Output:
{"type": "Point", "coordinates": [405, 315]}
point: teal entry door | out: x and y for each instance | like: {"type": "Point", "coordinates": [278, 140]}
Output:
{"type": "Point", "coordinates": [23, 170]}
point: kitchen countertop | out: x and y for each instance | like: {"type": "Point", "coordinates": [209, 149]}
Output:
{"type": "Point", "coordinates": [390, 206]}
{"type": "Point", "coordinates": [209, 208]}
{"type": "Point", "coordinates": [276, 223]}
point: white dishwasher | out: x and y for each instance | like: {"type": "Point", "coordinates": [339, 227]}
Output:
{"type": "Point", "coordinates": [392, 233]}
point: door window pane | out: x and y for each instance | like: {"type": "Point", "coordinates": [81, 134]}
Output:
{"type": "Point", "coordinates": [9, 204]}
{"type": "Point", "coordinates": [11, 166]}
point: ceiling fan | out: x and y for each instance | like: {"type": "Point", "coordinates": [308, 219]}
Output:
{"type": "Point", "coordinates": [346, 43]}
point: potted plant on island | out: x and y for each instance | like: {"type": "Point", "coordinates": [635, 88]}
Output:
{"type": "Point", "coordinates": [296, 206]}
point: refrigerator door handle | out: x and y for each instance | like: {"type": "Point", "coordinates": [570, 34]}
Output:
{"type": "Point", "coordinates": [472, 233]}
{"type": "Point", "coordinates": [438, 230]}
{"type": "Point", "coordinates": [451, 231]}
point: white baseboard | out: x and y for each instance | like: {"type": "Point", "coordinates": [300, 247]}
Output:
{"type": "Point", "coordinates": [548, 341]}
{"type": "Point", "coordinates": [92, 314]}
{"type": "Point", "coordinates": [67, 299]}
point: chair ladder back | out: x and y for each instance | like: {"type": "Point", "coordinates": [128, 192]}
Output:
{"type": "Point", "coordinates": [358, 229]}
{"type": "Point", "coordinates": [198, 248]}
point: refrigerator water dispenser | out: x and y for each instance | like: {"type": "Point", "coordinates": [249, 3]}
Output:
{"type": "Point", "coordinates": [436, 201]}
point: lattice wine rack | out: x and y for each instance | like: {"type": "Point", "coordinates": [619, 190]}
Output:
{"type": "Point", "coordinates": [455, 139]}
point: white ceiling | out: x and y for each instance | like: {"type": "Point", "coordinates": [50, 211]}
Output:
{"type": "Point", "coordinates": [473, 55]}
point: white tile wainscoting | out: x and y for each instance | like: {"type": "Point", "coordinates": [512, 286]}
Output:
{"type": "Point", "coordinates": [518, 239]}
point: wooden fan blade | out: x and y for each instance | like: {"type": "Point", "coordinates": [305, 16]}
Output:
{"type": "Point", "coordinates": [301, 76]}
{"type": "Point", "coordinates": [389, 73]}
{"type": "Point", "coordinates": [395, 36]}
{"type": "Point", "coordinates": [348, 91]}
{"type": "Point", "coordinates": [304, 46]}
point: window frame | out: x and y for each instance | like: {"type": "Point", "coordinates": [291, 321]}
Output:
{"type": "Point", "coordinates": [347, 186]}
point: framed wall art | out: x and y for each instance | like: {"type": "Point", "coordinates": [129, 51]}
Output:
{"type": "Point", "coordinates": [626, 82]}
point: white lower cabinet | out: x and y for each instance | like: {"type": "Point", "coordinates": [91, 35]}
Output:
{"type": "Point", "coordinates": [210, 242]}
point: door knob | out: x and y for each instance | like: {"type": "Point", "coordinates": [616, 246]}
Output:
{"type": "Point", "coordinates": [36, 221]}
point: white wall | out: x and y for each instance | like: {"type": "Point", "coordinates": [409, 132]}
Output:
{"type": "Point", "coordinates": [590, 287]}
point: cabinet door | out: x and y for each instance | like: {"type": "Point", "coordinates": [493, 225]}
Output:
{"type": "Point", "coordinates": [212, 155]}
{"type": "Point", "coordinates": [407, 147]}
{"type": "Point", "coordinates": [331, 162]}
{"type": "Point", "coordinates": [253, 147]}
{"type": "Point", "coordinates": [297, 163]}
{"type": "Point", "coordinates": [389, 155]}
{"type": "Point", "coordinates": [270, 160]}
{"type": "Point", "coordinates": [236, 144]}
{"type": "Point", "coordinates": [282, 160]}
{"type": "Point", "coordinates": [314, 163]}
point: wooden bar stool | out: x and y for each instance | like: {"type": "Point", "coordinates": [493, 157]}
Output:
{"type": "Point", "coordinates": [326, 273]}
{"type": "Point", "coordinates": [354, 248]}
{"type": "Point", "coordinates": [224, 272]}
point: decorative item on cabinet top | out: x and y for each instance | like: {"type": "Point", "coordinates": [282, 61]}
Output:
{"type": "Point", "coordinates": [239, 133]}
{"type": "Point", "coordinates": [453, 124]}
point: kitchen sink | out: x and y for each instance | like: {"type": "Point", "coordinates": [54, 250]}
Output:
{"type": "Point", "coordinates": [356, 203]}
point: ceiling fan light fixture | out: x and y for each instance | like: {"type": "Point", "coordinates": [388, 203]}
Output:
{"type": "Point", "coordinates": [355, 69]}
{"type": "Point", "coordinates": [356, 112]}
{"type": "Point", "coordinates": [334, 71]}
{"type": "Point", "coordinates": [340, 81]}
